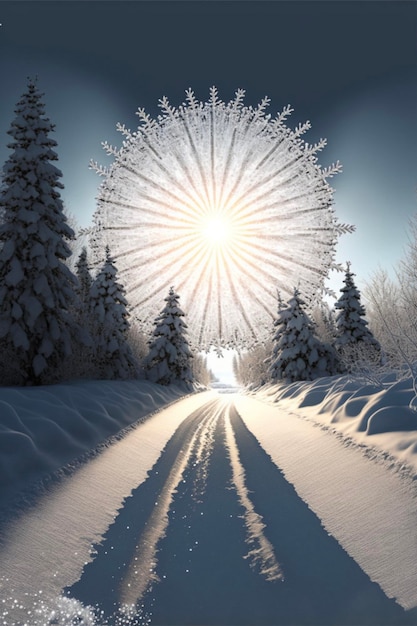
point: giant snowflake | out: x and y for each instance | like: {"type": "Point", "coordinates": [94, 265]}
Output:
{"type": "Point", "coordinates": [227, 204]}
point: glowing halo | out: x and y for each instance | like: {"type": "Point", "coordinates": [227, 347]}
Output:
{"type": "Point", "coordinates": [225, 203]}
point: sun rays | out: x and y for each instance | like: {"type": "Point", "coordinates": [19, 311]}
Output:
{"type": "Point", "coordinates": [227, 204]}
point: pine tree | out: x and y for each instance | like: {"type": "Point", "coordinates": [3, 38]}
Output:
{"type": "Point", "coordinates": [84, 279]}
{"type": "Point", "coordinates": [351, 325]}
{"type": "Point", "coordinates": [110, 325]}
{"type": "Point", "coordinates": [279, 324]}
{"type": "Point", "coordinates": [36, 286]}
{"type": "Point", "coordinates": [82, 362]}
{"type": "Point", "coordinates": [298, 354]}
{"type": "Point", "coordinates": [169, 357]}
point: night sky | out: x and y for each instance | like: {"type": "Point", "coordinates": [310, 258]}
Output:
{"type": "Point", "coordinates": [348, 67]}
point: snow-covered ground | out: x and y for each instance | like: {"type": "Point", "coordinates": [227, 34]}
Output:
{"type": "Point", "coordinates": [48, 429]}
{"type": "Point", "coordinates": [369, 507]}
{"type": "Point", "coordinates": [348, 448]}
{"type": "Point", "coordinates": [53, 540]}
{"type": "Point", "coordinates": [375, 417]}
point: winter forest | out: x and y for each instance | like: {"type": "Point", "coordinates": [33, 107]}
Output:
{"type": "Point", "coordinates": [65, 315]}
{"type": "Point", "coordinates": [58, 321]}
{"type": "Point", "coordinates": [135, 487]}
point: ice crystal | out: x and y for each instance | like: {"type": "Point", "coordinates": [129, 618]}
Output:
{"type": "Point", "coordinates": [226, 203]}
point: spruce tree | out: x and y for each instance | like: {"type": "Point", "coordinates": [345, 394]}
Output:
{"type": "Point", "coordinates": [169, 357]}
{"type": "Point", "coordinates": [110, 325]}
{"type": "Point", "coordinates": [84, 277]}
{"type": "Point", "coordinates": [36, 286]}
{"type": "Point", "coordinates": [82, 362]}
{"type": "Point", "coordinates": [351, 326]}
{"type": "Point", "coordinates": [279, 324]}
{"type": "Point", "coordinates": [298, 354]}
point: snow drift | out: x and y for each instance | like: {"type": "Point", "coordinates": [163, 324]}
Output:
{"type": "Point", "coordinates": [47, 548]}
{"type": "Point", "coordinates": [44, 429]}
{"type": "Point", "coordinates": [377, 417]}
{"type": "Point", "coordinates": [356, 466]}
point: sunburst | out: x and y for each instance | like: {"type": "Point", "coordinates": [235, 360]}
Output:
{"type": "Point", "coordinates": [225, 203]}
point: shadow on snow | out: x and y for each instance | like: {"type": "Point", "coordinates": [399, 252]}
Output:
{"type": "Point", "coordinates": [199, 572]}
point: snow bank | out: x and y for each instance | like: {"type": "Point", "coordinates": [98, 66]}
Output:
{"type": "Point", "coordinates": [43, 429]}
{"type": "Point", "coordinates": [358, 468]}
{"type": "Point", "coordinates": [47, 548]}
{"type": "Point", "coordinates": [368, 508]}
{"type": "Point", "coordinates": [377, 418]}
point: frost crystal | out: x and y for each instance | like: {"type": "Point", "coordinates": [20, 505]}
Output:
{"type": "Point", "coordinates": [227, 203]}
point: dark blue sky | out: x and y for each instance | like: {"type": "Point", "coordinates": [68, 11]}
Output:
{"type": "Point", "coordinates": [348, 67]}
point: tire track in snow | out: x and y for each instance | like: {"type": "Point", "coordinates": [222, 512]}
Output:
{"type": "Point", "coordinates": [369, 510]}
{"type": "Point", "coordinates": [47, 548]}
{"type": "Point", "coordinates": [141, 574]}
{"type": "Point", "coordinates": [261, 555]}
{"type": "Point", "coordinates": [217, 563]}
{"type": "Point", "coordinates": [214, 459]}
{"type": "Point", "coordinates": [201, 455]}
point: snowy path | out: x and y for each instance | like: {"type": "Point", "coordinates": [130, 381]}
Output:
{"type": "Point", "coordinates": [367, 505]}
{"type": "Point", "coordinates": [214, 535]}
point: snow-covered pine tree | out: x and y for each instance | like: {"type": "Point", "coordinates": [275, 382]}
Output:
{"type": "Point", "coordinates": [169, 357]}
{"type": "Point", "coordinates": [299, 355]}
{"type": "Point", "coordinates": [354, 340]}
{"type": "Point", "coordinates": [279, 325]}
{"type": "Point", "coordinates": [36, 286]}
{"type": "Point", "coordinates": [82, 364]}
{"type": "Point", "coordinates": [84, 278]}
{"type": "Point", "coordinates": [110, 325]}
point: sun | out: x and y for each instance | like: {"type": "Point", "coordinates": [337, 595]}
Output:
{"type": "Point", "coordinates": [217, 231]}
{"type": "Point", "coordinates": [225, 202]}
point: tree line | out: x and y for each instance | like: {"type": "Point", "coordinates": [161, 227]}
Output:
{"type": "Point", "coordinates": [305, 346]}
{"type": "Point", "coordinates": [59, 321]}
{"type": "Point", "coordinates": [57, 324]}
{"type": "Point", "coordinates": [377, 344]}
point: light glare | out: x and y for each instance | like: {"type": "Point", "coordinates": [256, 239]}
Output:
{"type": "Point", "coordinates": [217, 231]}
{"type": "Point", "coordinates": [227, 204]}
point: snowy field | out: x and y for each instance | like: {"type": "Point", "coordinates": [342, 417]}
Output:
{"type": "Point", "coordinates": [44, 429]}
{"type": "Point", "coordinates": [348, 449]}
{"type": "Point", "coordinates": [52, 429]}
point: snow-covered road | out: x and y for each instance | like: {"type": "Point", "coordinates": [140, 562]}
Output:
{"type": "Point", "coordinates": [211, 531]}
